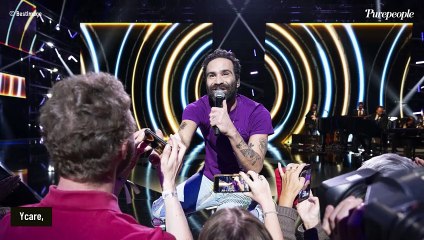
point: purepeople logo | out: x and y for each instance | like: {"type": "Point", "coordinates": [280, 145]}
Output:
{"type": "Point", "coordinates": [388, 15]}
{"type": "Point", "coordinates": [24, 14]}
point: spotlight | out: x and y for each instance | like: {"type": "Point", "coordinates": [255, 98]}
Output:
{"type": "Point", "coordinates": [41, 17]}
{"type": "Point", "coordinates": [72, 35]}
{"type": "Point", "coordinates": [48, 95]}
{"type": "Point", "coordinates": [57, 27]}
{"type": "Point", "coordinates": [55, 70]}
{"type": "Point", "coordinates": [253, 72]}
{"type": "Point", "coordinates": [73, 58]}
{"type": "Point", "coordinates": [50, 44]}
{"type": "Point", "coordinates": [420, 62]}
{"type": "Point", "coordinates": [42, 74]}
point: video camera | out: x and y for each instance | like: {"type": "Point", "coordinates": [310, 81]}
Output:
{"type": "Point", "coordinates": [394, 203]}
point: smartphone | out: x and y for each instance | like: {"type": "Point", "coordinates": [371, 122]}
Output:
{"type": "Point", "coordinates": [229, 183]}
{"type": "Point", "coordinates": [157, 143]}
{"type": "Point", "coordinates": [304, 192]}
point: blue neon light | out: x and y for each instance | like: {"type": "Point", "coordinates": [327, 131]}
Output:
{"type": "Point", "coordinates": [359, 61]}
{"type": "Point", "coordinates": [327, 73]}
{"type": "Point", "coordinates": [150, 73]}
{"type": "Point", "coordinates": [90, 47]}
{"type": "Point", "coordinates": [386, 64]}
{"type": "Point", "coordinates": [279, 128]}
{"type": "Point", "coordinates": [121, 48]}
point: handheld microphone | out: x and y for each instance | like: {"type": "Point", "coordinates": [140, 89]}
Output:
{"type": "Point", "coordinates": [219, 98]}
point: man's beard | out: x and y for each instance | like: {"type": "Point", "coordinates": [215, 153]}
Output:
{"type": "Point", "coordinates": [230, 91]}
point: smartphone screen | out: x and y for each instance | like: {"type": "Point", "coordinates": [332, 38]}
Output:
{"type": "Point", "coordinates": [157, 143]}
{"type": "Point", "coordinates": [304, 192]}
{"type": "Point", "coordinates": [230, 183]}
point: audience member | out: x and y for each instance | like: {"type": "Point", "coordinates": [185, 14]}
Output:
{"type": "Point", "coordinates": [88, 130]}
{"type": "Point", "coordinates": [237, 223]}
{"type": "Point", "coordinates": [311, 120]}
{"type": "Point", "coordinates": [308, 209]}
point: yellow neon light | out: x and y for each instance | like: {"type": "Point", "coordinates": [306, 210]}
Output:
{"type": "Point", "coordinates": [402, 86]}
{"type": "Point", "coordinates": [346, 75]}
{"type": "Point", "coordinates": [149, 32]}
{"type": "Point", "coordinates": [125, 24]}
{"type": "Point", "coordinates": [82, 64]}
{"type": "Point", "coordinates": [170, 115]}
{"type": "Point", "coordinates": [197, 84]}
{"type": "Point", "coordinates": [279, 99]}
{"type": "Point", "coordinates": [305, 62]}
{"type": "Point", "coordinates": [25, 28]}
{"type": "Point", "coordinates": [32, 5]}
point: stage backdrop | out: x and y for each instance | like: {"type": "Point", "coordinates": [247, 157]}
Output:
{"type": "Point", "coordinates": [333, 65]}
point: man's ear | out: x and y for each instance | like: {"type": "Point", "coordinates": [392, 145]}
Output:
{"type": "Point", "coordinates": [238, 83]}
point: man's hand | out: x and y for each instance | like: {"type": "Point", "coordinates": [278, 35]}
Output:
{"type": "Point", "coordinates": [220, 118]}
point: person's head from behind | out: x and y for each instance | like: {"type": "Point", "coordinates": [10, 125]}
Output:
{"type": "Point", "coordinates": [87, 127]}
{"type": "Point", "coordinates": [232, 224]}
{"type": "Point", "coordinates": [221, 71]}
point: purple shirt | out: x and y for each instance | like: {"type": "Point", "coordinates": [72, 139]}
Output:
{"type": "Point", "coordinates": [82, 215]}
{"type": "Point", "coordinates": [249, 117]}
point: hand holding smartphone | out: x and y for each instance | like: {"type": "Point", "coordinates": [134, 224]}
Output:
{"type": "Point", "coordinates": [304, 192]}
{"type": "Point", "coordinates": [230, 183]}
{"type": "Point", "coordinates": [156, 142]}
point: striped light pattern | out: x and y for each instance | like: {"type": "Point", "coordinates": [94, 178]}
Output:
{"type": "Point", "coordinates": [326, 64]}
{"type": "Point", "coordinates": [12, 85]}
{"type": "Point", "coordinates": [16, 26]}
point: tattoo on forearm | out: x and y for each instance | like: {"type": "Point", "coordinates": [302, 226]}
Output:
{"type": "Point", "coordinates": [248, 152]}
{"type": "Point", "coordinates": [262, 144]}
{"type": "Point", "coordinates": [182, 126]}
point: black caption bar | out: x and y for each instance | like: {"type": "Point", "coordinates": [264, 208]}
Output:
{"type": "Point", "coordinates": [31, 216]}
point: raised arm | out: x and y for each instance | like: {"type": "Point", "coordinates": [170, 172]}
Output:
{"type": "Point", "coordinates": [172, 157]}
{"type": "Point", "coordinates": [186, 131]}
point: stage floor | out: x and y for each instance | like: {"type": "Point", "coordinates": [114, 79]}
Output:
{"type": "Point", "coordinates": [29, 159]}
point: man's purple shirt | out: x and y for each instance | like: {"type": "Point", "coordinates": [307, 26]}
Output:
{"type": "Point", "coordinates": [249, 117]}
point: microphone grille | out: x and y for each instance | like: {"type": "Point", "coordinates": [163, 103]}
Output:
{"type": "Point", "coordinates": [219, 94]}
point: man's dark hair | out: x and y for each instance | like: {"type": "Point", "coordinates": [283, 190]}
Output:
{"type": "Point", "coordinates": [220, 53]}
{"type": "Point", "coordinates": [84, 125]}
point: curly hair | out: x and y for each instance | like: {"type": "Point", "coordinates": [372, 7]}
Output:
{"type": "Point", "coordinates": [84, 125]}
{"type": "Point", "coordinates": [220, 53]}
{"type": "Point", "coordinates": [232, 224]}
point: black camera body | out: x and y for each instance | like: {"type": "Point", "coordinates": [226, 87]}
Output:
{"type": "Point", "coordinates": [394, 204]}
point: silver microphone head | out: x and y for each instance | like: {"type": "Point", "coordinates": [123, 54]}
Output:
{"type": "Point", "coordinates": [219, 98]}
{"type": "Point", "coordinates": [219, 94]}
